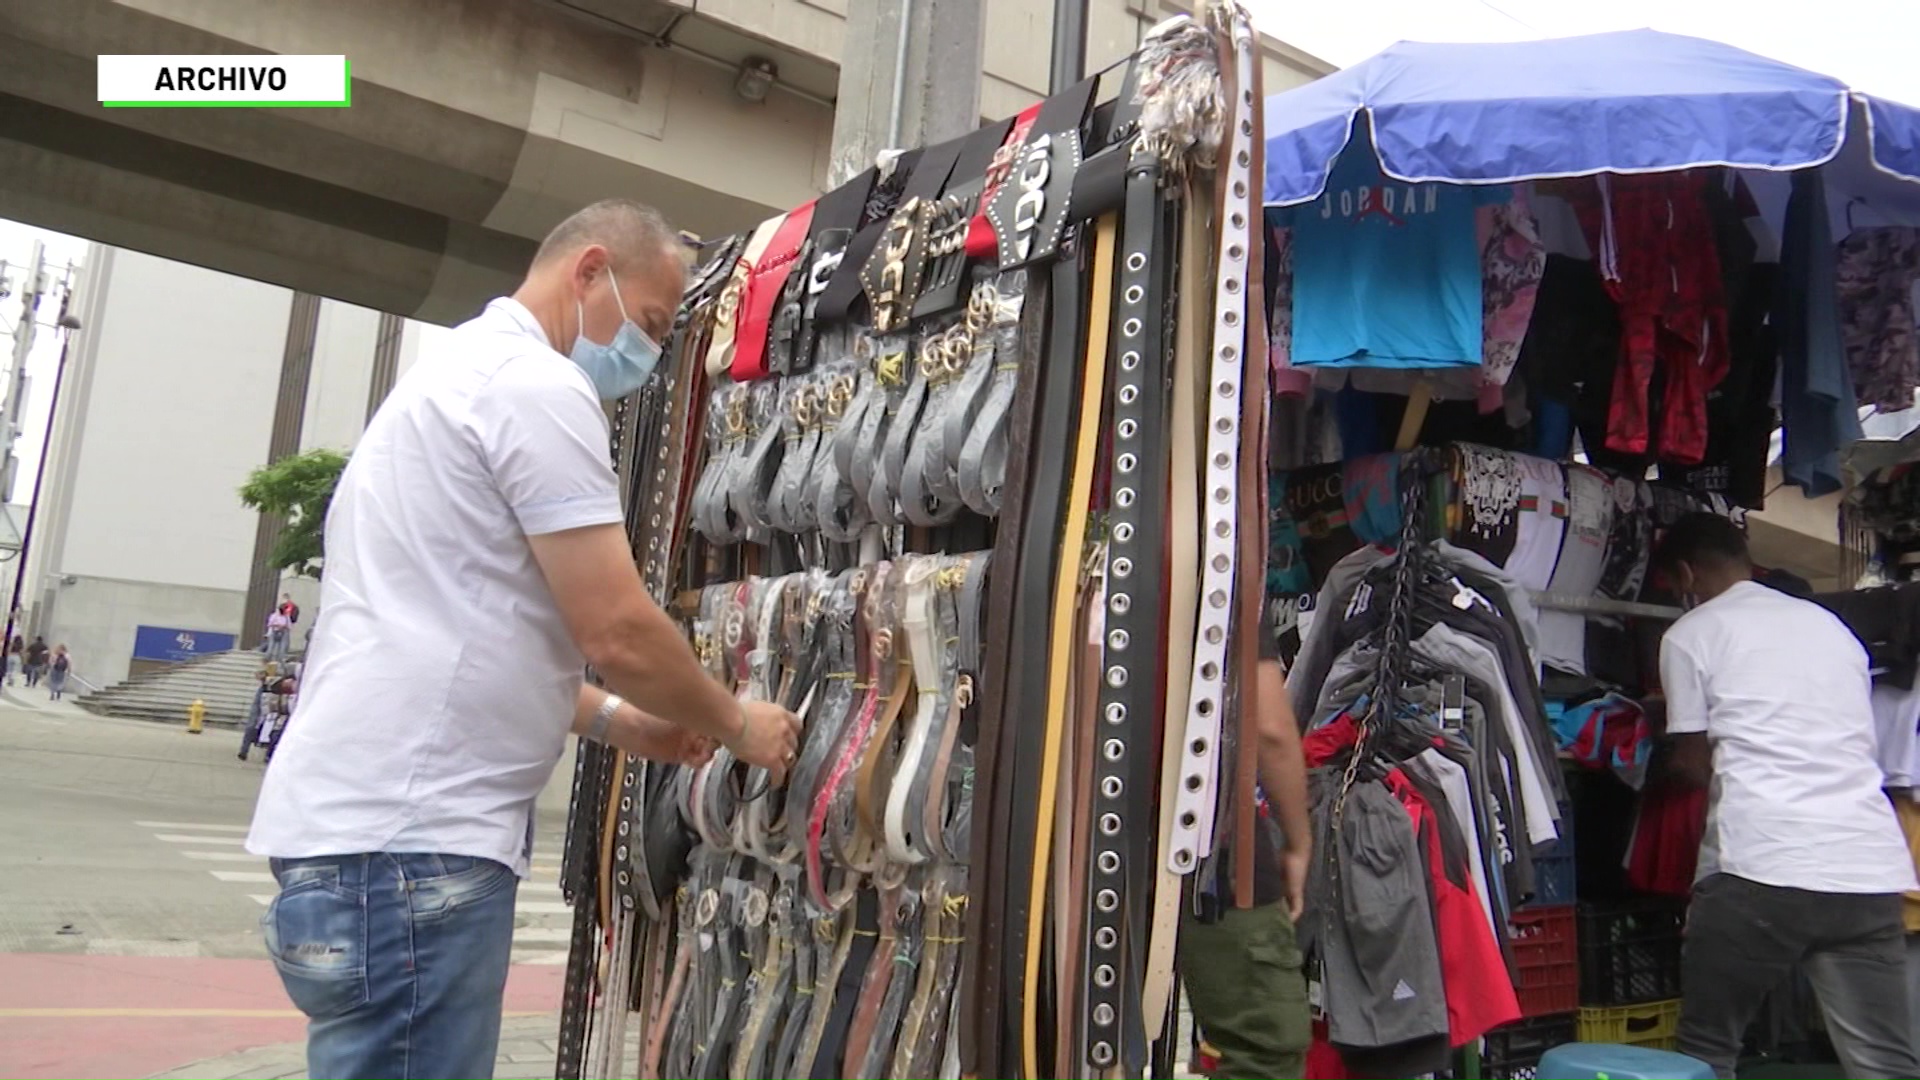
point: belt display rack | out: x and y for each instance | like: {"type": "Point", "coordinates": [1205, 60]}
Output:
{"type": "Point", "coordinates": [962, 464]}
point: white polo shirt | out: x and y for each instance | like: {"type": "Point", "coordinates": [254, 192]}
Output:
{"type": "Point", "coordinates": [441, 681]}
{"type": "Point", "coordinates": [1782, 690]}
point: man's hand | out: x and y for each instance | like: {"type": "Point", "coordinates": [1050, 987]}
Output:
{"type": "Point", "coordinates": [1294, 864]}
{"type": "Point", "coordinates": [769, 737]}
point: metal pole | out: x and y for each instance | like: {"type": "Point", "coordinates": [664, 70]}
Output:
{"type": "Point", "coordinates": [39, 477]}
{"type": "Point", "coordinates": [1069, 44]}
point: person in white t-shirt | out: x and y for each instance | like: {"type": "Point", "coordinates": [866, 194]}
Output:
{"type": "Point", "coordinates": [1803, 862]}
{"type": "Point", "coordinates": [476, 563]}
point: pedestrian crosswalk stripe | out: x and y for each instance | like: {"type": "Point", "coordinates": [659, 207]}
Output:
{"type": "Point", "coordinates": [175, 838]}
{"type": "Point", "coordinates": [540, 933]}
{"type": "Point", "coordinates": [540, 956]}
{"type": "Point", "coordinates": [191, 825]}
{"type": "Point", "coordinates": [248, 877]}
{"type": "Point", "coordinates": [540, 886]}
{"type": "Point", "coordinates": [542, 907]}
{"type": "Point", "coordinates": [263, 899]}
{"type": "Point", "coordinates": [223, 856]}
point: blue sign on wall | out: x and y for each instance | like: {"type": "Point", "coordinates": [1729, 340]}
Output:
{"type": "Point", "coordinates": [175, 645]}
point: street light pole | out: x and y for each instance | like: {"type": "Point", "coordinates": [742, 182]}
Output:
{"type": "Point", "coordinates": [68, 324]}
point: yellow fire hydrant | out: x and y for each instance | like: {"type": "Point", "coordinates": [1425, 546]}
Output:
{"type": "Point", "coordinates": [196, 717]}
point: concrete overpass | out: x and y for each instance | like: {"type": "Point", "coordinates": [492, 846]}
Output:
{"type": "Point", "coordinates": [475, 125]}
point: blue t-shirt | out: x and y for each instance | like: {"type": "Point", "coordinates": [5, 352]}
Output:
{"type": "Point", "coordinates": [1387, 273]}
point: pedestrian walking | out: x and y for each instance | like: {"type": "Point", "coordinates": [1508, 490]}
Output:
{"type": "Point", "coordinates": [399, 818]}
{"type": "Point", "coordinates": [57, 673]}
{"type": "Point", "coordinates": [252, 734]}
{"type": "Point", "coordinates": [36, 655]}
{"type": "Point", "coordinates": [16, 658]}
{"type": "Point", "coordinates": [277, 631]}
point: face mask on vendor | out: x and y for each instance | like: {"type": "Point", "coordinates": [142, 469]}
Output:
{"type": "Point", "coordinates": [622, 365]}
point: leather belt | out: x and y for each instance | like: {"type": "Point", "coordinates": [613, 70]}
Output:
{"type": "Point", "coordinates": [890, 359]}
{"type": "Point", "coordinates": [928, 491]}
{"type": "Point", "coordinates": [750, 477]}
{"type": "Point", "coordinates": [1194, 803]}
{"type": "Point", "coordinates": [945, 280]}
{"type": "Point", "coordinates": [728, 310]}
{"type": "Point", "coordinates": [830, 1048]}
{"type": "Point", "coordinates": [931, 621]}
{"type": "Point", "coordinates": [1091, 379]}
{"type": "Point", "coordinates": [803, 404]}
{"type": "Point", "coordinates": [1017, 604]}
{"type": "Point", "coordinates": [765, 285]}
{"type": "Point", "coordinates": [982, 459]}
{"type": "Point", "coordinates": [731, 407]}
{"type": "Point", "coordinates": [1183, 584]}
{"type": "Point", "coordinates": [835, 218]}
{"type": "Point", "coordinates": [1253, 488]}
{"type": "Point", "coordinates": [1136, 617]}
{"type": "Point", "coordinates": [823, 480]}
{"type": "Point", "coordinates": [840, 506]}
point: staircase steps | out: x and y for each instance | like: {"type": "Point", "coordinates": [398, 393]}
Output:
{"type": "Point", "coordinates": [224, 681]}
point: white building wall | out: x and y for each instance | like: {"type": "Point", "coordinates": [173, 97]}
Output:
{"type": "Point", "coordinates": [343, 348]}
{"type": "Point", "coordinates": [187, 365]}
{"type": "Point", "coordinates": [167, 405]}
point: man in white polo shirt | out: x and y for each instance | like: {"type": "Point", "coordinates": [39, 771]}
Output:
{"type": "Point", "coordinates": [1803, 861]}
{"type": "Point", "coordinates": [476, 562]}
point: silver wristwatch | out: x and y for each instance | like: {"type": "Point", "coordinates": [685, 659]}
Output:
{"type": "Point", "coordinates": [602, 716]}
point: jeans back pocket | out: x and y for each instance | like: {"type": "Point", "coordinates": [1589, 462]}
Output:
{"type": "Point", "coordinates": [316, 932]}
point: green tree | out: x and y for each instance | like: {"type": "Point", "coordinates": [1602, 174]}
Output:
{"type": "Point", "coordinates": [299, 488]}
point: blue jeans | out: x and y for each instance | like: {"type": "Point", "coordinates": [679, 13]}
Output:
{"type": "Point", "coordinates": [399, 961]}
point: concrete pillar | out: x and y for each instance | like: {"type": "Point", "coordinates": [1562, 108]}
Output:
{"type": "Point", "coordinates": [909, 76]}
{"type": "Point", "coordinates": [386, 361]}
{"type": "Point", "coordinates": [289, 410]}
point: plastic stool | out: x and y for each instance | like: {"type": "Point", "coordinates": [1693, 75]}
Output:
{"type": "Point", "coordinates": [1609, 1061]}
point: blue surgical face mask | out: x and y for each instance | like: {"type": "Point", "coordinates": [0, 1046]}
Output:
{"type": "Point", "coordinates": [621, 366]}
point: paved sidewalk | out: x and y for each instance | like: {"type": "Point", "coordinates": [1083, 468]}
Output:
{"type": "Point", "coordinates": [526, 1053]}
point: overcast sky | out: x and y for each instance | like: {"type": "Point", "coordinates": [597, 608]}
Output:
{"type": "Point", "coordinates": [1867, 43]}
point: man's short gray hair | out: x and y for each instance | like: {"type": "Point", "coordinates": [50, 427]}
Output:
{"type": "Point", "coordinates": [630, 231]}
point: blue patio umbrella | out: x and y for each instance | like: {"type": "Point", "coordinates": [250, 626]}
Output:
{"type": "Point", "coordinates": [1632, 101]}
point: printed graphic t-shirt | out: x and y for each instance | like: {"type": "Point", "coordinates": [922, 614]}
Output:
{"type": "Point", "coordinates": [1387, 273]}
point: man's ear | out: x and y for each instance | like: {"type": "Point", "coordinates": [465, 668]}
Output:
{"type": "Point", "coordinates": [589, 265]}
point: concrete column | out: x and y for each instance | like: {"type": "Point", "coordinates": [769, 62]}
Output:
{"type": "Point", "coordinates": [386, 361]}
{"type": "Point", "coordinates": [909, 76]}
{"type": "Point", "coordinates": [289, 410]}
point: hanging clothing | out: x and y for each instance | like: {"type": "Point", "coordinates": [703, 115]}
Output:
{"type": "Point", "coordinates": [1387, 273]}
{"type": "Point", "coordinates": [1656, 252]}
{"type": "Point", "coordinates": [1819, 415]}
{"type": "Point", "coordinates": [1543, 521]}
{"type": "Point", "coordinates": [1875, 274]}
{"type": "Point", "coordinates": [1512, 262]}
{"type": "Point", "coordinates": [1663, 857]}
{"type": "Point", "coordinates": [1741, 418]}
{"type": "Point", "coordinates": [1480, 994]}
{"type": "Point", "coordinates": [1579, 568]}
{"type": "Point", "coordinates": [1288, 381]}
{"type": "Point", "coordinates": [1371, 925]}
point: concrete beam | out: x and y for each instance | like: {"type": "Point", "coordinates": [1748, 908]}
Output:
{"type": "Point", "coordinates": [424, 198]}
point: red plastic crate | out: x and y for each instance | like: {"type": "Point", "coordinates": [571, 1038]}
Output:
{"type": "Point", "coordinates": [1546, 958]}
